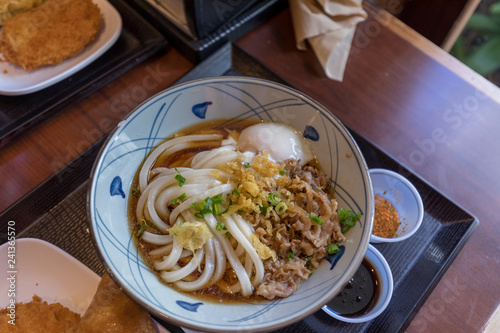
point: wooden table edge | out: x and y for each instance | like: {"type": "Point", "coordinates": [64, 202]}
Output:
{"type": "Point", "coordinates": [432, 50]}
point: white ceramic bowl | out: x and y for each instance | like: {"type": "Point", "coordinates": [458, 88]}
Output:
{"type": "Point", "coordinates": [231, 98]}
{"type": "Point", "coordinates": [386, 285]}
{"type": "Point", "coordinates": [404, 197]}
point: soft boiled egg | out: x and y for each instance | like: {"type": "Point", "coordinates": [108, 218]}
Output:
{"type": "Point", "coordinates": [281, 142]}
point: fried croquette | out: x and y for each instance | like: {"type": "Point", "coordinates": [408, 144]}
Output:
{"type": "Point", "coordinates": [49, 33]}
{"type": "Point", "coordinates": [39, 317]}
{"type": "Point", "coordinates": [111, 311]}
{"type": "Point", "coordinates": [9, 8]}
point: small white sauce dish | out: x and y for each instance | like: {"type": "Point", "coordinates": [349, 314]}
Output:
{"type": "Point", "coordinates": [385, 285]}
{"type": "Point", "coordinates": [404, 197]}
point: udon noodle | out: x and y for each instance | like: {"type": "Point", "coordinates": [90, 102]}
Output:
{"type": "Point", "coordinates": [235, 211]}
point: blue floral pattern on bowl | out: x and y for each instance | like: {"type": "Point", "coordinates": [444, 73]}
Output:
{"type": "Point", "coordinates": [116, 187]}
{"type": "Point", "coordinates": [200, 110]}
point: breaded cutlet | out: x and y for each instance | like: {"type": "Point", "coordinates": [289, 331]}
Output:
{"type": "Point", "coordinates": [49, 33]}
{"type": "Point", "coordinates": [38, 316]}
{"type": "Point", "coordinates": [9, 8]}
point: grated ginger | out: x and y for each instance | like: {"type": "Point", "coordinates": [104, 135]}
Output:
{"type": "Point", "coordinates": [192, 235]}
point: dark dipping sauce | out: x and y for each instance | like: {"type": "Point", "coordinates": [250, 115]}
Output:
{"type": "Point", "coordinates": [360, 294]}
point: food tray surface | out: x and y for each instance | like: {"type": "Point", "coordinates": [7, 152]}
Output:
{"type": "Point", "coordinates": [56, 211]}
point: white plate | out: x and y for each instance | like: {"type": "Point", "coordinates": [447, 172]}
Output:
{"type": "Point", "coordinates": [15, 80]}
{"type": "Point", "coordinates": [47, 271]}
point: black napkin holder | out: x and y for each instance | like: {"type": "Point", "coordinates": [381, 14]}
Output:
{"type": "Point", "coordinates": [205, 17]}
{"type": "Point", "coordinates": [209, 24]}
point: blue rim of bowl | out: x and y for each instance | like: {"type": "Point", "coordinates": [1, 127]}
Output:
{"type": "Point", "coordinates": [418, 199]}
{"type": "Point", "coordinates": [280, 323]}
{"type": "Point", "coordinates": [389, 285]}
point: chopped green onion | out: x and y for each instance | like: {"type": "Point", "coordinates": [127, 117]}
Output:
{"type": "Point", "coordinates": [281, 208]}
{"type": "Point", "coordinates": [203, 203]}
{"type": "Point", "coordinates": [291, 255]}
{"type": "Point", "coordinates": [315, 219]}
{"type": "Point", "coordinates": [235, 191]}
{"type": "Point", "coordinates": [227, 234]}
{"type": "Point", "coordinates": [274, 198]}
{"type": "Point", "coordinates": [241, 212]}
{"type": "Point", "coordinates": [207, 206]}
{"type": "Point", "coordinates": [217, 198]}
{"type": "Point", "coordinates": [216, 208]}
{"type": "Point", "coordinates": [283, 172]}
{"type": "Point", "coordinates": [347, 219]}
{"type": "Point", "coordinates": [220, 226]}
{"type": "Point", "coordinates": [181, 180]}
{"type": "Point", "coordinates": [179, 198]}
{"type": "Point", "coordinates": [141, 230]}
{"type": "Point", "coordinates": [196, 206]}
{"type": "Point", "coordinates": [246, 165]}
{"type": "Point", "coordinates": [136, 192]}
{"type": "Point", "coordinates": [349, 223]}
{"type": "Point", "coordinates": [263, 209]}
{"type": "Point", "coordinates": [151, 224]}
{"type": "Point", "coordinates": [332, 248]}
{"type": "Point", "coordinates": [199, 211]}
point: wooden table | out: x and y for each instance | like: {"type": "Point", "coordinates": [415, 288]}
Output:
{"type": "Point", "coordinates": [402, 93]}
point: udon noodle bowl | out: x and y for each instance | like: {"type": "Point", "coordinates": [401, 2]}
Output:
{"type": "Point", "coordinates": [234, 211]}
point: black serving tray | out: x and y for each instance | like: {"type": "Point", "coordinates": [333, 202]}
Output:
{"type": "Point", "coordinates": [56, 212]}
{"type": "Point", "coordinates": [137, 41]}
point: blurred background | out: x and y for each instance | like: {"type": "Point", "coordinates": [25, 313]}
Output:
{"type": "Point", "coordinates": [468, 29]}
{"type": "Point", "coordinates": [478, 45]}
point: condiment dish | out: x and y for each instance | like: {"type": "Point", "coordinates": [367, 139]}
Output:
{"type": "Point", "coordinates": [404, 197]}
{"type": "Point", "coordinates": [383, 282]}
